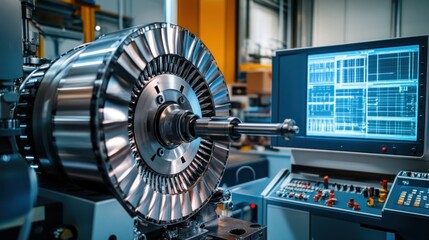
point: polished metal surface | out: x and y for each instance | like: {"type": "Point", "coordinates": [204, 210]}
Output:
{"type": "Point", "coordinates": [101, 115]}
{"type": "Point", "coordinates": [231, 128]}
{"type": "Point", "coordinates": [143, 112]}
{"type": "Point", "coordinates": [287, 129]}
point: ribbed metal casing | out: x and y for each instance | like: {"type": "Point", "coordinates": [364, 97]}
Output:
{"type": "Point", "coordinates": [90, 120]}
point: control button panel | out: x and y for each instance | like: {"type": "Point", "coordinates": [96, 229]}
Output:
{"type": "Point", "coordinates": [336, 194]}
{"type": "Point", "coordinates": [410, 193]}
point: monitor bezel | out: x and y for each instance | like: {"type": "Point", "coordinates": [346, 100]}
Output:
{"type": "Point", "coordinates": [288, 103]}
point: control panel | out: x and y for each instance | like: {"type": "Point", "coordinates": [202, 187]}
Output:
{"type": "Point", "coordinates": [409, 194]}
{"type": "Point", "coordinates": [326, 193]}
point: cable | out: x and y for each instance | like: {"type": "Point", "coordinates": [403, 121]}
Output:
{"type": "Point", "coordinates": [244, 167]}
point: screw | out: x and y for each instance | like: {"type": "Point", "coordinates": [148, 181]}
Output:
{"type": "Point", "coordinates": [160, 152]}
{"type": "Point", "coordinates": [160, 99]}
{"type": "Point", "coordinates": [181, 100]}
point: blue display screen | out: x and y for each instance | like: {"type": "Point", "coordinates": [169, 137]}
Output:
{"type": "Point", "coordinates": [367, 97]}
{"type": "Point", "coordinates": [365, 94]}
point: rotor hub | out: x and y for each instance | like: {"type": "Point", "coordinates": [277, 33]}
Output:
{"type": "Point", "coordinates": [156, 120]}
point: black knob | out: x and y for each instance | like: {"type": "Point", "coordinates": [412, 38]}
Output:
{"type": "Point", "coordinates": [358, 189]}
{"type": "Point", "coordinates": [365, 192]}
{"type": "Point", "coordinates": [376, 192]}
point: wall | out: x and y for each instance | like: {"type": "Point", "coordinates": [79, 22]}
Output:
{"type": "Point", "coordinates": [142, 11]}
{"type": "Point", "coordinates": [341, 21]}
{"type": "Point", "coordinates": [415, 17]}
{"type": "Point", "coordinates": [263, 30]}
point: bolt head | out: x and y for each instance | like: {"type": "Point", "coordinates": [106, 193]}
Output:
{"type": "Point", "coordinates": [160, 99]}
{"type": "Point", "coordinates": [160, 152]}
{"type": "Point", "coordinates": [181, 100]}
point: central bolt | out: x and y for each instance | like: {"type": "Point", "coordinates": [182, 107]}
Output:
{"type": "Point", "coordinates": [173, 125]}
{"type": "Point", "coordinates": [160, 152]}
{"type": "Point", "coordinates": [181, 100]}
{"type": "Point", "coordinates": [160, 99]}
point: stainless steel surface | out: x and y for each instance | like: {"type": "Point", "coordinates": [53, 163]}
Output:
{"type": "Point", "coordinates": [97, 112]}
{"type": "Point", "coordinates": [143, 112]}
{"type": "Point", "coordinates": [216, 128]}
{"type": "Point", "coordinates": [231, 128]}
{"type": "Point", "coordinates": [287, 129]}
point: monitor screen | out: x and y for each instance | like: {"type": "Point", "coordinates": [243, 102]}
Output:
{"type": "Point", "coordinates": [364, 97]}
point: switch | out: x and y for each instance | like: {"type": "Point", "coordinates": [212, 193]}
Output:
{"type": "Point", "coordinates": [330, 202]}
{"type": "Point", "coordinates": [383, 184]}
{"type": "Point", "coordinates": [383, 191]}
{"type": "Point", "coordinates": [365, 193]}
{"type": "Point", "coordinates": [383, 195]}
{"type": "Point", "coordinates": [352, 188]}
{"type": "Point", "coordinates": [370, 202]}
{"type": "Point", "coordinates": [376, 192]}
{"type": "Point", "coordinates": [317, 198]}
{"type": "Point", "coordinates": [351, 202]}
{"type": "Point", "coordinates": [325, 181]}
{"type": "Point", "coordinates": [356, 207]}
{"type": "Point", "coordinates": [371, 192]}
{"type": "Point", "coordinates": [358, 189]}
{"type": "Point", "coordinates": [345, 187]}
{"type": "Point", "coordinates": [338, 187]}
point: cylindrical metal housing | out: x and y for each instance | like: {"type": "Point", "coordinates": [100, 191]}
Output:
{"type": "Point", "coordinates": [91, 117]}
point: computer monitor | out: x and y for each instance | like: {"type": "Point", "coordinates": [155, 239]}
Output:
{"type": "Point", "coordinates": [368, 97]}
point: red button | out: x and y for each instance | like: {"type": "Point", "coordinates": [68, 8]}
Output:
{"type": "Point", "coordinates": [384, 149]}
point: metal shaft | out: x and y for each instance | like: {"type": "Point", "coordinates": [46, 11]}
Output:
{"type": "Point", "coordinates": [230, 129]}
{"type": "Point", "coordinates": [286, 129]}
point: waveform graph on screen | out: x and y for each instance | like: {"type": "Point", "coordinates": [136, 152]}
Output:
{"type": "Point", "coordinates": [364, 94]}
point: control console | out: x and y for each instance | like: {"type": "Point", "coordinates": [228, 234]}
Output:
{"type": "Point", "coordinates": [330, 195]}
{"type": "Point", "coordinates": [409, 194]}
{"type": "Point", "coordinates": [393, 207]}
